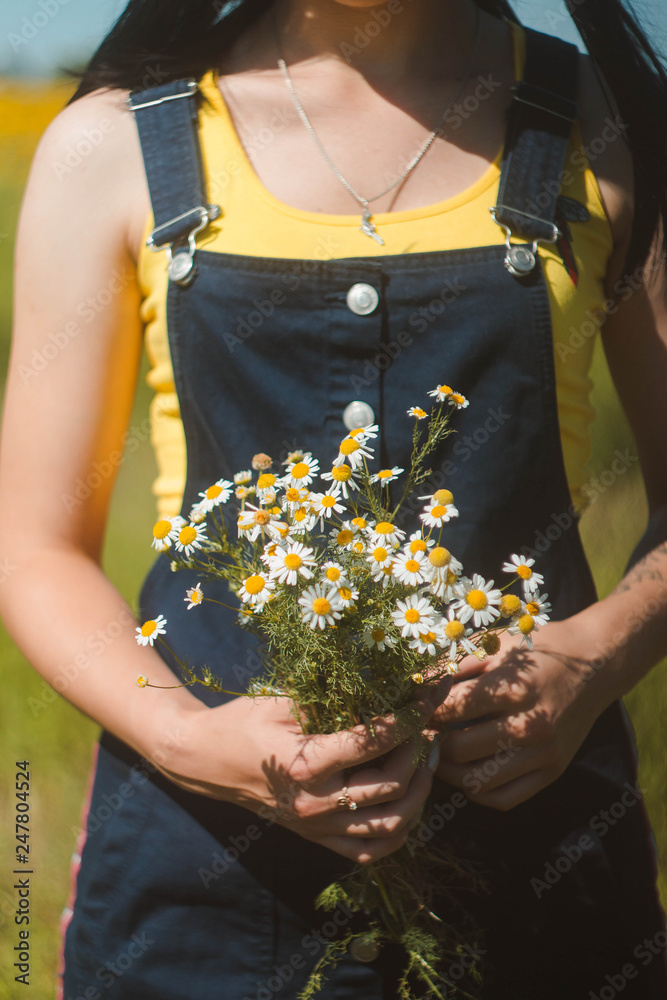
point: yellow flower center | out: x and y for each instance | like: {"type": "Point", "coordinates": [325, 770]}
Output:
{"type": "Point", "coordinates": [457, 397]}
{"type": "Point", "coordinates": [293, 561]}
{"type": "Point", "coordinates": [509, 605]}
{"type": "Point", "coordinates": [385, 474]}
{"type": "Point", "coordinates": [349, 446]}
{"type": "Point", "coordinates": [213, 491]}
{"type": "Point", "coordinates": [412, 616]}
{"type": "Point", "coordinates": [477, 599]}
{"type": "Point", "coordinates": [282, 529]}
{"type": "Point", "coordinates": [384, 528]}
{"type": "Point", "coordinates": [148, 628]}
{"type": "Point", "coordinates": [454, 630]}
{"type": "Point", "coordinates": [418, 545]}
{"type": "Point", "coordinates": [444, 390]}
{"type": "Point", "coordinates": [345, 536]}
{"type": "Point", "coordinates": [526, 624]}
{"type": "Point", "coordinates": [356, 432]}
{"type": "Point", "coordinates": [299, 514]}
{"type": "Point", "coordinates": [341, 473]}
{"type": "Point", "coordinates": [443, 496]}
{"type": "Point", "coordinates": [345, 593]}
{"type": "Point", "coordinates": [439, 556]}
{"type": "Point", "coordinates": [333, 573]}
{"type": "Point", "coordinates": [300, 470]}
{"type": "Point", "coordinates": [525, 572]}
{"type": "Point", "coordinates": [533, 608]}
{"type": "Point", "coordinates": [187, 535]}
{"type": "Point", "coordinates": [418, 678]}
{"type": "Point", "coordinates": [266, 480]}
{"type": "Point", "coordinates": [490, 643]}
{"type": "Point", "coordinates": [412, 565]}
{"type": "Point", "coordinates": [380, 554]}
{"type": "Point", "coordinates": [321, 606]}
{"type": "Point", "coordinates": [427, 636]}
{"type": "Point", "coordinates": [418, 412]}
{"type": "Point", "coordinates": [359, 522]}
{"type": "Point", "coordinates": [377, 634]}
{"type": "Point", "coordinates": [328, 501]}
{"type": "Point", "coordinates": [358, 547]}
{"type": "Point", "coordinates": [161, 529]}
{"type": "Point", "coordinates": [438, 511]}
{"type": "Point", "coordinates": [254, 584]}
{"type": "Point", "coordinates": [451, 577]}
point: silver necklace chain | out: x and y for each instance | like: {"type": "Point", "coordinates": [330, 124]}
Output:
{"type": "Point", "coordinates": [367, 226]}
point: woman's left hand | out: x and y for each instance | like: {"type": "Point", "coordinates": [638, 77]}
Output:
{"type": "Point", "coordinates": [527, 712]}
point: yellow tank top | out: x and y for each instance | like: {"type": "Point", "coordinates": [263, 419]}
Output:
{"type": "Point", "coordinates": [255, 223]}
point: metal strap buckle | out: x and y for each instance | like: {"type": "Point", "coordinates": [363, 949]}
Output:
{"type": "Point", "coordinates": [520, 258]}
{"type": "Point", "coordinates": [192, 87]}
{"type": "Point", "coordinates": [181, 262]}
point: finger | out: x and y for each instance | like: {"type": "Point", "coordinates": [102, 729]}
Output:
{"type": "Point", "coordinates": [387, 782]}
{"type": "Point", "coordinates": [496, 738]}
{"type": "Point", "coordinates": [490, 693]}
{"type": "Point", "coordinates": [513, 793]}
{"type": "Point", "coordinates": [364, 851]}
{"type": "Point", "coordinates": [389, 818]}
{"type": "Point", "coordinates": [482, 776]}
{"type": "Point", "coordinates": [326, 755]}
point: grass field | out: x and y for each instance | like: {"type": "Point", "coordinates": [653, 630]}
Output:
{"type": "Point", "coordinates": [42, 727]}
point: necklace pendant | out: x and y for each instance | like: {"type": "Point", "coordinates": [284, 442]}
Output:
{"type": "Point", "coordinates": [368, 228]}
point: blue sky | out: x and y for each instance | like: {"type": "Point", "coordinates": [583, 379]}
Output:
{"type": "Point", "coordinates": [37, 35]}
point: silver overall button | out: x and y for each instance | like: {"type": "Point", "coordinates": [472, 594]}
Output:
{"type": "Point", "coordinates": [362, 299]}
{"type": "Point", "coordinates": [357, 414]}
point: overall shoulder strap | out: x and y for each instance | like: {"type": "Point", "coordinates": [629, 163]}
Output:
{"type": "Point", "coordinates": [167, 122]}
{"type": "Point", "coordinates": [539, 121]}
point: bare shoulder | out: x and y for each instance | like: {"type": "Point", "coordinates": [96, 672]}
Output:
{"type": "Point", "coordinates": [604, 137]}
{"type": "Point", "coordinates": [89, 158]}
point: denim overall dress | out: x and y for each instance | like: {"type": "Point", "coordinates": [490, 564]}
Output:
{"type": "Point", "coordinates": [181, 897]}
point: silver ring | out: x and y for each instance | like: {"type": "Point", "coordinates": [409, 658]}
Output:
{"type": "Point", "coordinates": [346, 801]}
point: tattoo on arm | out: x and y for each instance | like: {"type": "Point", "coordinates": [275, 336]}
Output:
{"type": "Point", "coordinates": [645, 569]}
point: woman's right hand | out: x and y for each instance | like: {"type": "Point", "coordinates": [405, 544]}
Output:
{"type": "Point", "coordinates": [252, 752]}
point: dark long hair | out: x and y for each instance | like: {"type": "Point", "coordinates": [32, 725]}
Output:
{"type": "Point", "coordinates": [154, 41]}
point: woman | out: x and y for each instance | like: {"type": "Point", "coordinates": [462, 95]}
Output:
{"type": "Point", "coordinates": [353, 151]}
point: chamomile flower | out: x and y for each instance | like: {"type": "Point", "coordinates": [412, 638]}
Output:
{"type": "Point", "coordinates": [216, 494]}
{"type": "Point", "coordinates": [195, 595]}
{"type": "Point", "coordinates": [380, 556]}
{"type": "Point", "coordinates": [303, 472]}
{"type": "Point", "coordinates": [334, 573]}
{"type": "Point", "coordinates": [458, 401]}
{"type": "Point", "coordinates": [345, 536]}
{"type": "Point", "coordinates": [441, 392]}
{"type": "Point", "coordinates": [437, 514]}
{"type": "Point", "coordinates": [539, 608]}
{"type": "Point", "coordinates": [386, 533]}
{"type": "Point", "coordinates": [165, 531]}
{"type": "Point", "coordinates": [522, 567]}
{"type": "Point", "coordinates": [150, 630]}
{"type": "Point", "coordinates": [190, 537]}
{"type": "Point", "coordinates": [477, 600]}
{"type": "Point", "coordinates": [261, 462]}
{"type": "Point", "coordinates": [302, 520]}
{"type": "Point", "coordinates": [361, 524]}
{"type": "Point", "coordinates": [197, 513]}
{"type": "Point", "coordinates": [409, 569]}
{"type": "Point", "coordinates": [444, 582]}
{"type": "Point", "coordinates": [456, 634]}
{"type": "Point", "coordinates": [366, 432]}
{"type": "Point", "coordinates": [382, 574]}
{"type": "Point", "coordinates": [243, 492]}
{"type": "Point", "coordinates": [290, 562]}
{"type": "Point", "coordinates": [142, 680]}
{"type": "Point", "coordinates": [325, 504]}
{"type": "Point", "coordinates": [413, 615]}
{"type": "Point", "coordinates": [417, 543]}
{"type": "Point", "coordinates": [377, 638]}
{"type": "Point", "coordinates": [293, 456]}
{"type": "Point", "coordinates": [321, 606]}
{"type": "Point", "coordinates": [267, 486]}
{"type": "Point", "coordinates": [428, 641]}
{"type": "Point", "coordinates": [342, 479]}
{"type": "Point", "coordinates": [253, 520]}
{"type": "Point", "coordinates": [416, 411]}
{"type": "Point", "coordinates": [346, 595]}
{"type": "Point", "coordinates": [386, 476]}
{"type": "Point", "coordinates": [353, 450]}
{"type": "Point", "coordinates": [256, 589]}
{"type": "Point", "coordinates": [243, 477]}
{"type": "Point", "coordinates": [293, 497]}
{"type": "Point", "coordinates": [439, 563]}
{"type": "Point", "coordinates": [524, 625]}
